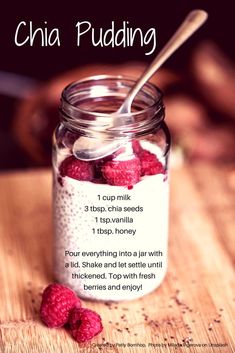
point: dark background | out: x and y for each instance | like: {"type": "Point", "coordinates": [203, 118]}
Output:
{"type": "Point", "coordinates": [43, 63]}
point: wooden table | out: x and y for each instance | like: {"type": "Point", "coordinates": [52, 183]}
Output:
{"type": "Point", "coordinates": [194, 305]}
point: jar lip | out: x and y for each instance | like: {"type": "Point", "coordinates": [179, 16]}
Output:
{"type": "Point", "coordinates": [151, 86]}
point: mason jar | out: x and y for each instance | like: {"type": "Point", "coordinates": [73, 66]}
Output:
{"type": "Point", "coordinates": [110, 209]}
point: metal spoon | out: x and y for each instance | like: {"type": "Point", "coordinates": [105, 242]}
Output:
{"type": "Point", "coordinates": [88, 149]}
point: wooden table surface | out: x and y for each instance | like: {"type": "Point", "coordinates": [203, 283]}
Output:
{"type": "Point", "coordinates": [193, 308]}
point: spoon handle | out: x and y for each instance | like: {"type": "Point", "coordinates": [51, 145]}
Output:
{"type": "Point", "coordinates": [192, 22]}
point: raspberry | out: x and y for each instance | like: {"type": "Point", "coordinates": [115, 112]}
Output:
{"type": "Point", "coordinates": [76, 169]}
{"type": "Point", "coordinates": [57, 301]}
{"type": "Point", "coordinates": [150, 165]}
{"type": "Point", "coordinates": [122, 173]}
{"type": "Point", "coordinates": [84, 324]}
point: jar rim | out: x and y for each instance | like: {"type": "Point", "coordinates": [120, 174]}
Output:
{"type": "Point", "coordinates": [106, 93]}
{"type": "Point", "coordinates": [66, 102]}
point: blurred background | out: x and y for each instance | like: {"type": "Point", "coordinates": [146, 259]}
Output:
{"type": "Point", "coordinates": [198, 81]}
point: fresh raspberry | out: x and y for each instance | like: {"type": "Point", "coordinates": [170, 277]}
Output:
{"type": "Point", "coordinates": [122, 173]}
{"type": "Point", "coordinates": [76, 169]}
{"type": "Point", "coordinates": [57, 301]}
{"type": "Point", "coordinates": [150, 165]}
{"type": "Point", "coordinates": [84, 324]}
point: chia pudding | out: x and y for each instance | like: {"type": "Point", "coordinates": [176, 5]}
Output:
{"type": "Point", "coordinates": [111, 212]}
{"type": "Point", "coordinates": [133, 230]}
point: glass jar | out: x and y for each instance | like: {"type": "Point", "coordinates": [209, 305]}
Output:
{"type": "Point", "coordinates": [111, 214]}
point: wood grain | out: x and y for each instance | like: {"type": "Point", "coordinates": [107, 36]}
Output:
{"type": "Point", "coordinates": [194, 304]}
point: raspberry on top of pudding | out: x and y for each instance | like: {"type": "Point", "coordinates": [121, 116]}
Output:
{"type": "Point", "coordinates": [114, 170]}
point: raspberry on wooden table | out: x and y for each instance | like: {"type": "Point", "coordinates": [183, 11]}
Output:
{"type": "Point", "coordinates": [84, 324]}
{"type": "Point", "coordinates": [57, 301]}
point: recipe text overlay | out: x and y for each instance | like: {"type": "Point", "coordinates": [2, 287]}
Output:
{"type": "Point", "coordinates": [123, 253]}
{"type": "Point", "coordinates": [114, 36]}
{"type": "Point", "coordinates": [127, 273]}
